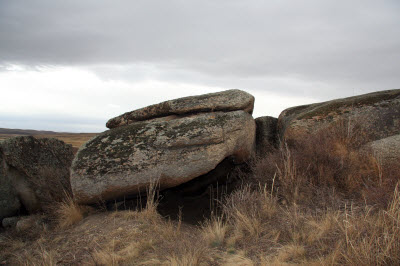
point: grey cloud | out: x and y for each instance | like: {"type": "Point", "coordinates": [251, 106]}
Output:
{"type": "Point", "coordinates": [64, 123]}
{"type": "Point", "coordinates": [345, 43]}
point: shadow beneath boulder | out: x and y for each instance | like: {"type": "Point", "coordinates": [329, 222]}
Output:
{"type": "Point", "coordinates": [194, 201]}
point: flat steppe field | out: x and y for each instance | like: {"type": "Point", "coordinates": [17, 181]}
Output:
{"type": "Point", "coordinates": [75, 139]}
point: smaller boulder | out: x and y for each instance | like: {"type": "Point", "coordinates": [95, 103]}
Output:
{"type": "Point", "coordinates": [378, 113]}
{"type": "Point", "coordinates": [30, 223]}
{"type": "Point", "coordinates": [33, 173]}
{"type": "Point", "coordinates": [386, 151]}
{"type": "Point", "coordinates": [10, 222]}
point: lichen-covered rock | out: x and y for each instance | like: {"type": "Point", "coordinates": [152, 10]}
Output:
{"type": "Point", "coordinates": [378, 113]}
{"type": "Point", "coordinates": [386, 151]}
{"type": "Point", "coordinates": [266, 134]}
{"type": "Point", "coordinates": [33, 173]}
{"type": "Point", "coordinates": [123, 161]}
{"type": "Point", "coordinates": [230, 100]}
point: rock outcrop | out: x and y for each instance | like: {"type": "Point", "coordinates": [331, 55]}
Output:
{"type": "Point", "coordinates": [378, 113]}
{"type": "Point", "coordinates": [230, 100]}
{"type": "Point", "coordinates": [386, 151]}
{"type": "Point", "coordinates": [33, 173]}
{"type": "Point", "coordinates": [266, 134]}
{"type": "Point", "coordinates": [203, 131]}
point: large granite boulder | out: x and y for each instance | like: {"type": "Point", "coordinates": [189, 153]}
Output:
{"type": "Point", "coordinates": [230, 100]}
{"type": "Point", "coordinates": [123, 161]}
{"type": "Point", "coordinates": [33, 173]}
{"type": "Point", "coordinates": [378, 113]}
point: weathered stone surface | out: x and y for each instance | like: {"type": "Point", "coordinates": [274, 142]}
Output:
{"type": "Point", "coordinates": [386, 151]}
{"type": "Point", "coordinates": [10, 222]}
{"type": "Point", "coordinates": [266, 134]}
{"type": "Point", "coordinates": [29, 223]}
{"type": "Point", "coordinates": [33, 173]}
{"type": "Point", "coordinates": [9, 201]}
{"type": "Point", "coordinates": [123, 161]}
{"type": "Point", "coordinates": [378, 113]}
{"type": "Point", "coordinates": [230, 100]}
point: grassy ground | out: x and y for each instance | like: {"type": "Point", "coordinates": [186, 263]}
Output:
{"type": "Point", "coordinates": [315, 202]}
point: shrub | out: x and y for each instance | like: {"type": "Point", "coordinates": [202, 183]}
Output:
{"type": "Point", "coordinates": [327, 162]}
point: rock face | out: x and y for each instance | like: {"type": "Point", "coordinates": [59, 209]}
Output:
{"type": "Point", "coordinates": [378, 112]}
{"type": "Point", "coordinates": [9, 201]}
{"type": "Point", "coordinates": [33, 173]}
{"type": "Point", "coordinates": [230, 100]}
{"type": "Point", "coordinates": [266, 134]}
{"type": "Point", "coordinates": [124, 160]}
{"type": "Point", "coordinates": [386, 150]}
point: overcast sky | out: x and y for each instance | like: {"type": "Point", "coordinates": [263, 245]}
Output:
{"type": "Point", "coordinates": [72, 65]}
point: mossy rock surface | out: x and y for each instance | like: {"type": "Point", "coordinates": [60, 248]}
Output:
{"type": "Point", "coordinates": [123, 161]}
{"type": "Point", "coordinates": [377, 113]}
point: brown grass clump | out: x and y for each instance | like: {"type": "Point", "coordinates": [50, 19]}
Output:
{"type": "Point", "coordinates": [269, 233]}
{"type": "Point", "coordinates": [214, 231]}
{"type": "Point", "coordinates": [373, 239]}
{"type": "Point", "coordinates": [68, 212]}
{"type": "Point", "coordinates": [150, 212]}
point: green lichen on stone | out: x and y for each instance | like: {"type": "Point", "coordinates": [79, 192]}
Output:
{"type": "Point", "coordinates": [148, 138]}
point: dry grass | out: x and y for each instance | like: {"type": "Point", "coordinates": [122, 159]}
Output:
{"type": "Point", "coordinates": [373, 239]}
{"type": "Point", "coordinates": [75, 139]}
{"type": "Point", "coordinates": [256, 230]}
{"type": "Point", "coordinates": [68, 212]}
{"type": "Point", "coordinates": [320, 167]}
{"type": "Point", "coordinates": [214, 231]}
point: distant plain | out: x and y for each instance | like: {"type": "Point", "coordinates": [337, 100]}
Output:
{"type": "Point", "coordinates": [75, 139]}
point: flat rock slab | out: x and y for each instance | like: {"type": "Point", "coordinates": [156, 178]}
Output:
{"type": "Point", "coordinates": [378, 113]}
{"type": "Point", "coordinates": [230, 100]}
{"type": "Point", "coordinates": [123, 161]}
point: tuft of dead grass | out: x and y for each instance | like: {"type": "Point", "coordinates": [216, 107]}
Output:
{"type": "Point", "coordinates": [214, 231]}
{"type": "Point", "coordinates": [190, 255]}
{"type": "Point", "coordinates": [373, 239]}
{"type": "Point", "coordinates": [68, 212]}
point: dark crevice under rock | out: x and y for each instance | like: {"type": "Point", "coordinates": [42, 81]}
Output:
{"type": "Point", "coordinates": [194, 200]}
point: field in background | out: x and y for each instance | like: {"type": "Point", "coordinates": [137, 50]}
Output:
{"type": "Point", "coordinates": [75, 139]}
